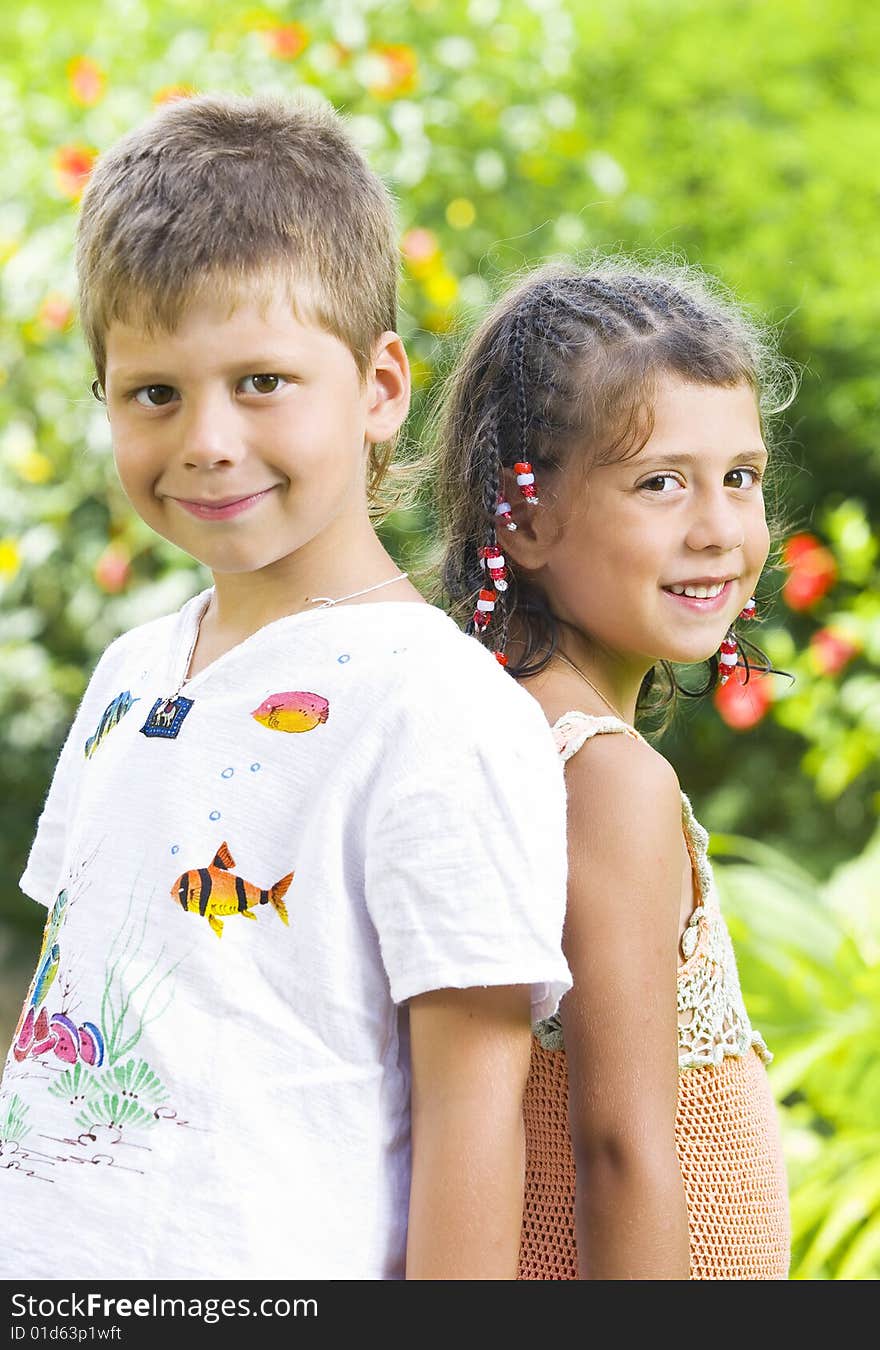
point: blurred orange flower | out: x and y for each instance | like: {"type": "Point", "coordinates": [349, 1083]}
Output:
{"type": "Point", "coordinates": [113, 569]}
{"type": "Point", "coordinates": [287, 41]}
{"type": "Point", "coordinates": [56, 312]}
{"type": "Point", "coordinates": [400, 65]}
{"type": "Point", "coordinates": [830, 651]}
{"type": "Point", "coordinates": [73, 164]}
{"type": "Point", "coordinates": [419, 246]}
{"type": "Point", "coordinates": [169, 93]}
{"type": "Point", "coordinates": [87, 81]}
{"type": "Point", "coordinates": [743, 705]}
{"type": "Point", "coordinates": [812, 571]}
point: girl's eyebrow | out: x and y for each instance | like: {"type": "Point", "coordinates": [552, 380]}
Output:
{"type": "Point", "coordinates": [658, 457]}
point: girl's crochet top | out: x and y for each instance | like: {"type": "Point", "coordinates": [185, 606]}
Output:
{"type": "Point", "coordinates": [726, 1129]}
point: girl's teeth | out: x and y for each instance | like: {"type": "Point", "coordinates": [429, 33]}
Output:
{"type": "Point", "coordinates": [698, 592]}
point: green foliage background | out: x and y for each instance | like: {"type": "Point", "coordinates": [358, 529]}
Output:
{"type": "Point", "coordinates": [741, 136]}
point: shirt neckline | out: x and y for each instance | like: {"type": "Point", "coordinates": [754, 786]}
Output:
{"type": "Point", "coordinates": [192, 612]}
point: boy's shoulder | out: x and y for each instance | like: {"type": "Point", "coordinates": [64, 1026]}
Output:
{"type": "Point", "coordinates": [143, 638]}
{"type": "Point", "coordinates": [439, 675]}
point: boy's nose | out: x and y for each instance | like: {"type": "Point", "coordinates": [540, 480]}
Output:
{"type": "Point", "coordinates": [208, 437]}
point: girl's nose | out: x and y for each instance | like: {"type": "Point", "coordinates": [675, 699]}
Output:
{"type": "Point", "coordinates": [716, 523]}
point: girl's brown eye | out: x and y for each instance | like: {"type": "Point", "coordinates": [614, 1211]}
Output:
{"type": "Point", "coordinates": [753, 478]}
{"type": "Point", "coordinates": [661, 478]}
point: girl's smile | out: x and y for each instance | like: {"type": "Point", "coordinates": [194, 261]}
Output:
{"type": "Point", "coordinates": [652, 556]}
{"type": "Point", "coordinates": [702, 597]}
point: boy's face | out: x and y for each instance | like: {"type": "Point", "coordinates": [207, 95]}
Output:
{"type": "Point", "coordinates": [243, 437]}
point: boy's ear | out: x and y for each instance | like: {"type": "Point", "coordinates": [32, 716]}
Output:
{"type": "Point", "coordinates": [536, 526]}
{"type": "Point", "coordinates": [389, 389]}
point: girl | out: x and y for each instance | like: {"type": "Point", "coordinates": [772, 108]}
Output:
{"type": "Point", "coordinates": [601, 457]}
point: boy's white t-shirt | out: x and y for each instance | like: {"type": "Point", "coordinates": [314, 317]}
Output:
{"type": "Point", "coordinates": [197, 1088]}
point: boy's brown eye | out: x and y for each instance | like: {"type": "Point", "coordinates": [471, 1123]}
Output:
{"type": "Point", "coordinates": [155, 395]}
{"type": "Point", "coordinates": [263, 384]}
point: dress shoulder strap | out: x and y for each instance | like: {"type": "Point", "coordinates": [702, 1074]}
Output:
{"type": "Point", "coordinates": [573, 729]}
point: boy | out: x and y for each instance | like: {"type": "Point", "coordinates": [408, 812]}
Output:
{"type": "Point", "coordinates": [303, 853]}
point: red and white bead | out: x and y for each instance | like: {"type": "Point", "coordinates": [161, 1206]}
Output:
{"type": "Point", "coordinates": [501, 658]}
{"type": "Point", "coordinates": [492, 557]}
{"type": "Point", "coordinates": [503, 510]}
{"type": "Point", "coordinates": [727, 657]}
{"type": "Point", "coordinates": [526, 481]}
{"type": "Point", "coordinates": [484, 610]}
{"type": "Point", "coordinates": [748, 611]}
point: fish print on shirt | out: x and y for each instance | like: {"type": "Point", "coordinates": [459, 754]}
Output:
{"type": "Point", "coordinates": [37, 1032]}
{"type": "Point", "coordinates": [109, 1095]}
{"type": "Point", "coordinates": [292, 711]}
{"type": "Point", "coordinates": [216, 890]}
{"type": "Point", "coordinates": [110, 717]}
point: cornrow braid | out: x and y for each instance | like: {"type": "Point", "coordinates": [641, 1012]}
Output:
{"type": "Point", "coordinates": [617, 300]}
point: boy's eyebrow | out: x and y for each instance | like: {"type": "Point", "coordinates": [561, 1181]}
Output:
{"type": "Point", "coordinates": [261, 364]}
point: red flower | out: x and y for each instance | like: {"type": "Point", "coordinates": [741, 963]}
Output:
{"type": "Point", "coordinates": [87, 80]}
{"type": "Point", "coordinates": [73, 164]}
{"type": "Point", "coordinates": [743, 705]}
{"type": "Point", "coordinates": [831, 651]}
{"type": "Point", "coordinates": [812, 571]}
{"type": "Point", "coordinates": [286, 41]}
{"type": "Point", "coordinates": [113, 569]}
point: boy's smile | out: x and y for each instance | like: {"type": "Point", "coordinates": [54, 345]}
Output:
{"type": "Point", "coordinates": [243, 436]}
{"type": "Point", "coordinates": [208, 509]}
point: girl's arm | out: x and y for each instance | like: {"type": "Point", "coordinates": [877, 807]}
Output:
{"type": "Point", "coordinates": [619, 1020]}
{"type": "Point", "coordinates": [470, 1059]}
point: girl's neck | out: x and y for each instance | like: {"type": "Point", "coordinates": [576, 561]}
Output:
{"type": "Point", "coordinates": [610, 683]}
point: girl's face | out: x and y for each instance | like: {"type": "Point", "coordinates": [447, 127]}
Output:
{"type": "Point", "coordinates": [684, 514]}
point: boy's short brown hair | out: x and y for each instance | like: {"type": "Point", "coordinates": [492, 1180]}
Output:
{"type": "Point", "coordinates": [219, 190]}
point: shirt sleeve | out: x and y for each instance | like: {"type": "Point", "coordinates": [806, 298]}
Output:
{"type": "Point", "coordinates": [40, 878]}
{"type": "Point", "coordinates": [466, 862]}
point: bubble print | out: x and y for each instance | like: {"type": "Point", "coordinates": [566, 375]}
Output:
{"type": "Point", "coordinates": [175, 848]}
{"type": "Point", "coordinates": [215, 815]}
{"type": "Point", "coordinates": [227, 773]}
{"type": "Point", "coordinates": [343, 658]}
{"type": "Point", "coordinates": [255, 768]}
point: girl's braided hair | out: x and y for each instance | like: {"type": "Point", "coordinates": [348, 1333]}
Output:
{"type": "Point", "coordinates": [567, 363]}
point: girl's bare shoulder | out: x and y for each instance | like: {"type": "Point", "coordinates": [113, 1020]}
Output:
{"type": "Point", "coordinates": [612, 779]}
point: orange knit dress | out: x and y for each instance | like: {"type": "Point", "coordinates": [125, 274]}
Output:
{"type": "Point", "coordinates": [726, 1128]}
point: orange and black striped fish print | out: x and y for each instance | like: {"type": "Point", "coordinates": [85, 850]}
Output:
{"type": "Point", "coordinates": [216, 890]}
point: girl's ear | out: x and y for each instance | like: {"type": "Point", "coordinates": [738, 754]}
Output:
{"type": "Point", "coordinates": [537, 528]}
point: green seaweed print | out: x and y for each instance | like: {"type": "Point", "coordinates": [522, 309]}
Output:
{"type": "Point", "coordinates": [129, 1094]}
{"type": "Point", "coordinates": [13, 1126]}
{"type": "Point", "coordinates": [122, 1022]}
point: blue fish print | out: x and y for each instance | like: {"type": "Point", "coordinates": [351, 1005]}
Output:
{"type": "Point", "coordinates": [46, 975]}
{"type": "Point", "coordinates": [113, 713]}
